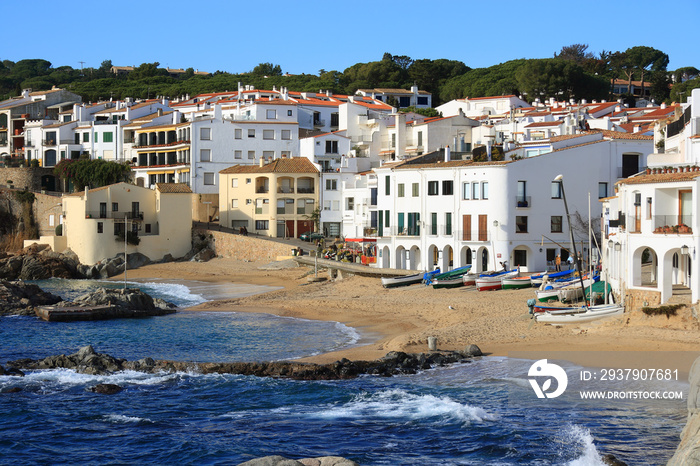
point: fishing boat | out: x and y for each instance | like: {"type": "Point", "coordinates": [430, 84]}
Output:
{"type": "Point", "coordinates": [393, 282]}
{"type": "Point", "coordinates": [428, 276]}
{"type": "Point", "coordinates": [469, 279]}
{"type": "Point", "coordinates": [538, 278]}
{"type": "Point", "coordinates": [548, 291]}
{"type": "Point", "coordinates": [580, 314]}
{"type": "Point", "coordinates": [492, 281]}
{"type": "Point", "coordinates": [515, 283]}
{"type": "Point", "coordinates": [451, 279]}
{"type": "Point", "coordinates": [573, 291]}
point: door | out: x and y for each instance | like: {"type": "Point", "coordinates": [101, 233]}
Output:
{"type": "Point", "coordinates": [483, 232]}
{"type": "Point", "coordinates": [290, 228]}
{"type": "Point", "coordinates": [685, 203]}
{"type": "Point", "coordinates": [637, 212]}
{"type": "Point", "coordinates": [630, 165]}
{"type": "Point", "coordinates": [467, 228]}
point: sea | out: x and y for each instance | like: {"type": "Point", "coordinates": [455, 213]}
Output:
{"type": "Point", "coordinates": [481, 412]}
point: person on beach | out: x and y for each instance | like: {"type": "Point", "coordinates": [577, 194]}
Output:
{"type": "Point", "coordinates": [557, 263]}
{"type": "Point", "coordinates": [570, 261]}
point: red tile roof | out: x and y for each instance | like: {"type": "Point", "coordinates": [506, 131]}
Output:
{"type": "Point", "coordinates": [292, 165]}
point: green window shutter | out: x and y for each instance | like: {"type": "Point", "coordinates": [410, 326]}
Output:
{"type": "Point", "coordinates": [380, 229]}
{"type": "Point", "coordinates": [387, 185]}
{"type": "Point", "coordinates": [400, 225]}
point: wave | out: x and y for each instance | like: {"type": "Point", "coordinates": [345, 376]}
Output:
{"type": "Point", "coordinates": [121, 419]}
{"type": "Point", "coordinates": [399, 404]}
{"type": "Point", "coordinates": [580, 436]}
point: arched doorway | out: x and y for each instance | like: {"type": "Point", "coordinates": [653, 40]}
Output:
{"type": "Point", "coordinates": [465, 256]}
{"type": "Point", "coordinates": [414, 258]}
{"type": "Point", "coordinates": [447, 258]}
{"type": "Point", "coordinates": [386, 258]}
{"type": "Point", "coordinates": [400, 258]}
{"type": "Point", "coordinates": [484, 263]}
{"type": "Point", "coordinates": [433, 257]}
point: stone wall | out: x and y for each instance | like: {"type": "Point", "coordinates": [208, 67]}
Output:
{"type": "Point", "coordinates": [246, 247]}
{"type": "Point", "coordinates": [202, 212]}
{"type": "Point", "coordinates": [44, 207]}
{"type": "Point", "coordinates": [24, 177]}
{"type": "Point", "coordinates": [637, 299]}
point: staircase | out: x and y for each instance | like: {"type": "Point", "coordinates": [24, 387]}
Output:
{"type": "Point", "coordinates": [681, 295]}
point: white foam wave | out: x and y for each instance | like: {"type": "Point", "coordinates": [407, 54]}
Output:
{"type": "Point", "coordinates": [397, 404]}
{"type": "Point", "coordinates": [577, 435]}
{"type": "Point", "coordinates": [350, 332]}
{"type": "Point", "coordinates": [174, 292]}
{"type": "Point", "coordinates": [121, 419]}
{"type": "Point", "coordinates": [69, 377]}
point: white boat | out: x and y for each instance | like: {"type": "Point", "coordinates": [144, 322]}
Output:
{"type": "Point", "coordinates": [393, 282]}
{"type": "Point", "coordinates": [580, 314]}
{"type": "Point", "coordinates": [573, 291]}
{"type": "Point", "coordinates": [549, 290]}
{"type": "Point", "coordinates": [493, 281]}
{"type": "Point", "coordinates": [469, 279]}
{"type": "Point", "coordinates": [537, 278]}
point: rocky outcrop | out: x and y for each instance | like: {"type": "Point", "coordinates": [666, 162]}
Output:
{"type": "Point", "coordinates": [38, 262]}
{"type": "Point", "coordinates": [106, 388]}
{"type": "Point", "coordinates": [204, 255]}
{"type": "Point", "coordinates": [114, 265]}
{"type": "Point", "coordinates": [688, 451]}
{"type": "Point", "coordinates": [19, 298]}
{"type": "Point", "coordinates": [394, 363]}
{"type": "Point", "coordinates": [277, 460]}
{"type": "Point", "coordinates": [126, 303]}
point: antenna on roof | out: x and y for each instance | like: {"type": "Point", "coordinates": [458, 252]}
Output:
{"type": "Point", "coordinates": [81, 67]}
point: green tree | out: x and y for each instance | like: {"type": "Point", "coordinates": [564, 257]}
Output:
{"type": "Point", "coordinates": [428, 112]}
{"type": "Point", "coordinates": [267, 69]}
{"type": "Point", "coordinates": [92, 173]}
{"type": "Point", "coordinates": [645, 60]}
{"type": "Point", "coordinates": [575, 52]}
{"type": "Point", "coordinates": [685, 73]}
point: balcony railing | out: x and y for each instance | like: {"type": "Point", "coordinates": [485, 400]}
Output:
{"type": "Point", "coordinates": [285, 190]}
{"type": "Point", "coordinates": [262, 190]}
{"type": "Point", "coordinates": [665, 224]}
{"type": "Point", "coordinates": [522, 202]}
{"type": "Point", "coordinates": [49, 142]}
{"type": "Point", "coordinates": [115, 215]}
{"type": "Point", "coordinates": [301, 190]}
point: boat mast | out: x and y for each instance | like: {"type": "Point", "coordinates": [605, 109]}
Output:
{"type": "Point", "coordinates": [559, 179]}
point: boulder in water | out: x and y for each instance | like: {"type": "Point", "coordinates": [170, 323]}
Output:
{"type": "Point", "coordinates": [19, 298]}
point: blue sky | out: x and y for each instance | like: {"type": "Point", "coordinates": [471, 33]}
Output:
{"type": "Point", "coordinates": [308, 35]}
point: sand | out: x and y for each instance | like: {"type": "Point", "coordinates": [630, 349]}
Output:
{"type": "Point", "coordinates": [402, 319]}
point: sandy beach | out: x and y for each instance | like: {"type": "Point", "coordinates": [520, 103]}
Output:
{"type": "Point", "coordinates": [402, 319]}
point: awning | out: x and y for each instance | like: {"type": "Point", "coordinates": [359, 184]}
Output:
{"type": "Point", "coordinates": [360, 240]}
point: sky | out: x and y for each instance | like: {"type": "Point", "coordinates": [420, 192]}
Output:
{"type": "Point", "coordinates": [305, 36]}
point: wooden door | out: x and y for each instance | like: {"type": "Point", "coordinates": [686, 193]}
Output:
{"type": "Point", "coordinates": [466, 227]}
{"type": "Point", "coordinates": [483, 232]}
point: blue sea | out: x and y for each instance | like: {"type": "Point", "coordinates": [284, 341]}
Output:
{"type": "Point", "coordinates": [483, 412]}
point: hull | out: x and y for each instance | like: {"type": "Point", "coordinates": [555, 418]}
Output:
{"type": "Point", "coordinates": [516, 283]}
{"type": "Point", "coordinates": [402, 281]}
{"type": "Point", "coordinates": [469, 279]}
{"type": "Point", "coordinates": [494, 282]}
{"type": "Point", "coordinates": [448, 283]}
{"type": "Point", "coordinates": [588, 314]}
{"type": "Point", "coordinates": [538, 278]}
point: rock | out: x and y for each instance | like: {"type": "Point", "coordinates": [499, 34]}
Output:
{"type": "Point", "coordinates": [125, 303]}
{"type": "Point", "coordinates": [12, 390]}
{"type": "Point", "coordinates": [106, 388]}
{"type": "Point", "coordinates": [688, 451]}
{"type": "Point", "coordinates": [275, 460]}
{"type": "Point", "coordinates": [19, 298]}
{"type": "Point", "coordinates": [135, 260]}
{"type": "Point", "coordinates": [167, 258]}
{"type": "Point", "coordinates": [328, 461]}
{"type": "Point", "coordinates": [472, 350]}
{"type": "Point", "coordinates": [204, 255]}
{"type": "Point", "coordinates": [610, 460]}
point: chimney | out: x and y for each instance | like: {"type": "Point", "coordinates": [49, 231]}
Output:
{"type": "Point", "coordinates": [447, 153]}
{"type": "Point", "coordinates": [160, 112]}
{"type": "Point", "coordinates": [262, 161]}
{"type": "Point", "coordinates": [663, 105]}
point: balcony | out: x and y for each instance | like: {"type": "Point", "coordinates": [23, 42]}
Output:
{"type": "Point", "coordinates": [49, 142]}
{"type": "Point", "coordinates": [262, 190]}
{"type": "Point", "coordinates": [523, 202]}
{"type": "Point", "coordinates": [305, 190]}
{"type": "Point", "coordinates": [672, 224]}
{"type": "Point", "coordinates": [115, 215]}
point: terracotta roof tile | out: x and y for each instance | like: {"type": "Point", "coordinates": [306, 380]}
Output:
{"type": "Point", "coordinates": [292, 165]}
{"type": "Point", "coordinates": [661, 178]}
{"type": "Point", "coordinates": [173, 188]}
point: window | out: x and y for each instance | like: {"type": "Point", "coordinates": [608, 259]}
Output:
{"type": "Point", "coordinates": [271, 114]}
{"type": "Point", "coordinates": [522, 192]}
{"type": "Point", "coordinates": [76, 138]}
{"type": "Point", "coordinates": [234, 203]}
{"type": "Point", "coordinates": [238, 154]}
{"type": "Point", "coordinates": [286, 134]}
{"type": "Point", "coordinates": [432, 188]}
{"type": "Point", "coordinates": [648, 208]}
{"type": "Point", "coordinates": [86, 137]}
{"type": "Point", "coordinates": [251, 133]}
{"type": "Point", "coordinates": [205, 155]}
{"type": "Point", "coordinates": [484, 189]}
{"type": "Point", "coordinates": [100, 227]}
{"type": "Point", "coordinates": [447, 188]}
{"type": "Point", "coordinates": [332, 185]}
{"type": "Point", "coordinates": [204, 134]}
{"type": "Point", "coordinates": [448, 223]}
{"type": "Point", "coordinates": [289, 113]}
{"type": "Point", "coordinates": [326, 205]}
{"type": "Point", "coordinates": [234, 182]}
{"type": "Point", "coordinates": [420, 138]}
{"type": "Point", "coordinates": [416, 190]}
{"type": "Point", "coordinates": [107, 136]}
{"type": "Point", "coordinates": [268, 134]}
{"type": "Point", "coordinates": [115, 206]}
{"type": "Point", "coordinates": [556, 224]}
{"type": "Point", "coordinates": [393, 140]}
{"type": "Point", "coordinates": [251, 155]}
{"type": "Point", "coordinates": [285, 154]}
{"type": "Point", "coordinates": [262, 224]}
{"type": "Point", "coordinates": [248, 201]}
{"type": "Point", "coordinates": [247, 181]}
{"type": "Point", "coordinates": [103, 210]}
{"type": "Point", "coordinates": [466, 187]}
{"type": "Point", "coordinates": [433, 223]}
{"type": "Point", "coordinates": [268, 155]}
{"type": "Point", "coordinates": [148, 228]}
{"type": "Point", "coordinates": [401, 190]}
{"type": "Point", "coordinates": [602, 190]}
{"type": "Point", "coordinates": [336, 206]}
{"type": "Point", "coordinates": [331, 147]}
{"type": "Point", "coordinates": [387, 185]}
{"type": "Point", "coordinates": [475, 190]}
{"type": "Point", "coordinates": [238, 133]}
{"type": "Point", "coordinates": [350, 203]}
{"type": "Point", "coordinates": [209, 179]}
{"type": "Point", "coordinates": [387, 215]}
{"type": "Point", "coordinates": [521, 224]}
{"type": "Point", "coordinates": [556, 190]}
{"type": "Point", "coordinates": [519, 258]}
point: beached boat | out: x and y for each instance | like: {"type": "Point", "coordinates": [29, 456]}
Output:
{"type": "Point", "coordinates": [515, 283]}
{"type": "Point", "coordinates": [469, 279]}
{"type": "Point", "coordinates": [537, 278]}
{"type": "Point", "coordinates": [548, 291]}
{"type": "Point", "coordinates": [580, 314]}
{"type": "Point", "coordinates": [492, 281]}
{"type": "Point", "coordinates": [573, 291]}
{"type": "Point", "coordinates": [451, 279]}
{"type": "Point", "coordinates": [393, 282]}
{"type": "Point", "coordinates": [428, 276]}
